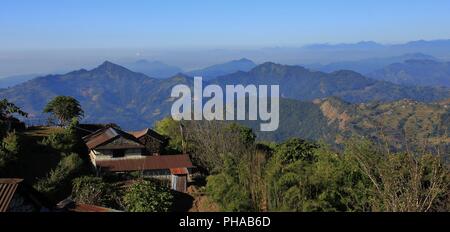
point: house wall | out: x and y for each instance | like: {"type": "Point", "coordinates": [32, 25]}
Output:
{"type": "Point", "coordinates": [108, 154]}
{"type": "Point", "coordinates": [162, 174]}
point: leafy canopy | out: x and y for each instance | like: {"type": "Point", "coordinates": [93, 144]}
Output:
{"type": "Point", "coordinates": [64, 108]}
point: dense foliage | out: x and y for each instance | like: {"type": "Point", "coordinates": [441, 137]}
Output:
{"type": "Point", "coordinates": [10, 147]}
{"type": "Point", "coordinates": [147, 196]}
{"type": "Point", "coordinates": [65, 141]}
{"type": "Point", "coordinates": [94, 191]}
{"type": "Point", "coordinates": [297, 175]}
{"type": "Point", "coordinates": [172, 129]}
{"type": "Point", "coordinates": [59, 179]}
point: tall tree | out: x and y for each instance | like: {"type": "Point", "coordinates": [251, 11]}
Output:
{"type": "Point", "coordinates": [64, 108]}
{"type": "Point", "coordinates": [7, 109]}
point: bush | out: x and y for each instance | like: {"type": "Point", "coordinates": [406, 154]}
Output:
{"type": "Point", "coordinates": [94, 191]}
{"type": "Point", "coordinates": [58, 179]}
{"type": "Point", "coordinates": [146, 196]}
{"type": "Point", "coordinates": [9, 149]}
{"type": "Point", "coordinates": [66, 141]}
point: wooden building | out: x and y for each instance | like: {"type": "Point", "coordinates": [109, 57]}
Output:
{"type": "Point", "coordinates": [113, 150]}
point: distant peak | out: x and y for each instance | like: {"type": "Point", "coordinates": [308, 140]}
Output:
{"type": "Point", "coordinates": [271, 67]}
{"type": "Point", "coordinates": [245, 60]}
{"type": "Point", "coordinates": [268, 65]}
{"type": "Point", "coordinates": [107, 65]}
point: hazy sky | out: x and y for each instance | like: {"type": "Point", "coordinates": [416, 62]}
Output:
{"type": "Point", "coordinates": [45, 24]}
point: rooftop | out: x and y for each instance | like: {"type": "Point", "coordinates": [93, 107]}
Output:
{"type": "Point", "coordinates": [146, 163]}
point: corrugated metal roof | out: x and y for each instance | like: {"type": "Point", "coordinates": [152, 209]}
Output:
{"type": "Point", "coordinates": [8, 188]}
{"type": "Point", "coordinates": [108, 134]}
{"type": "Point", "coordinates": [148, 131]}
{"type": "Point", "coordinates": [145, 163]}
{"type": "Point", "coordinates": [84, 208]}
{"type": "Point", "coordinates": [70, 205]}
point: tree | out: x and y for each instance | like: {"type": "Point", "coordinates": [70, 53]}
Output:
{"type": "Point", "coordinates": [302, 176]}
{"type": "Point", "coordinates": [246, 134]}
{"type": "Point", "coordinates": [172, 129]}
{"type": "Point", "coordinates": [401, 182]}
{"type": "Point", "coordinates": [227, 189]}
{"type": "Point", "coordinates": [209, 142]}
{"type": "Point", "coordinates": [7, 110]}
{"type": "Point", "coordinates": [64, 108]}
{"type": "Point", "coordinates": [295, 149]}
{"type": "Point", "coordinates": [147, 196]}
{"type": "Point", "coordinates": [9, 149]}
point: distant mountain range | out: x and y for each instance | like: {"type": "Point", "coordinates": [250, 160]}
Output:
{"type": "Point", "coordinates": [421, 72]}
{"type": "Point", "coordinates": [7, 82]}
{"type": "Point", "coordinates": [47, 61]}
{"type": "Point", "coordinates": [154, 69]}
{"type": "Point", "coordinates": [161, 70]}
{"type": "Point", "coordinates": [214, 71]}
{"type": "Point", "coordinates": [370, 65]}
{"type": "Point", "coordinates": [433, 47]}
{"type": "Point", "coordinates": [299, 83]}
{"type": "Point", "coordinates": [108, 93]}
{"type": "Point", "coordinates": [113, 94]}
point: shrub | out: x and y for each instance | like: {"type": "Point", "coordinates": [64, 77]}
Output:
{"type": "Point", "coordinates": [94, 191]}
{"type": "Point", "coordinates": [59, 177]}
{"type": "Point", "coordinates": [146, 196]}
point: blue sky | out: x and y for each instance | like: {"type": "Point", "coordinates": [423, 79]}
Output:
{"type": "Point", "coordinates": [45, 24]}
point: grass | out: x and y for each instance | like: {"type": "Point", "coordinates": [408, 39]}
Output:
{"type": "Point", "coordinates": [41, 132]}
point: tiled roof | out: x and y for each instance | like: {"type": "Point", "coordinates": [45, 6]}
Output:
{"type": "Point", "coordinates": [146, 163]}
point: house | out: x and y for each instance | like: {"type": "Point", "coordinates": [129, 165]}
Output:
{"type": "Point", "coordinates": [113, 150]}
{"type": "Point", "coordinates": [153, 142]}
{"type": "Point", "coordinates": [110, 143]}
{"type": "Point", "coordinates": [16, 196]}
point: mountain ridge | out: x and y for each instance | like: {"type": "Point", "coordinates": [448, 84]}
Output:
{"type": "Point", "coordinates": [420, 72]}
{"type": "Point", "coordinates": [216, 70]}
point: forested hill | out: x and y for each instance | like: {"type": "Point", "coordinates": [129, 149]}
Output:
{"type": "Point", "coordinates": [113, 94]}
{"type": "Point", "coordinates": [401, 123]}
{"type": "Point", "coordinates": [299, 83]}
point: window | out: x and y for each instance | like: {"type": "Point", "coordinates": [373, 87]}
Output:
{"type": "Point", "coordinates": [118, 153]}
